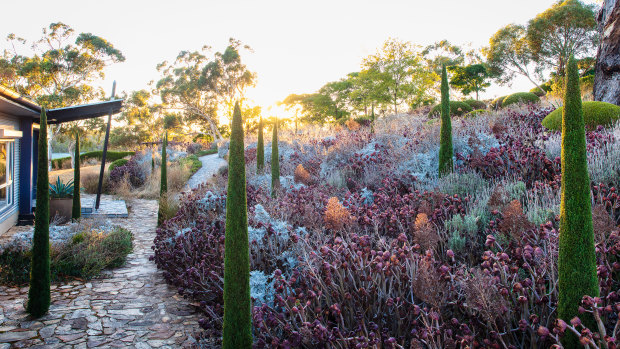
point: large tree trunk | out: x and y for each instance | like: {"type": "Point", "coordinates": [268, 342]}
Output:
{"type": "Point", "coordinates": [607, 75]}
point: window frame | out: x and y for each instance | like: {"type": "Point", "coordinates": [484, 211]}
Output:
{"type": "Point", "coordinates": [10, 174]}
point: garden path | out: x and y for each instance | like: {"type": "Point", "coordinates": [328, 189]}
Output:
{"type": "Point", "coordinates": [131, 306]}
{"type": "Point", "coordinates": [210, 165]}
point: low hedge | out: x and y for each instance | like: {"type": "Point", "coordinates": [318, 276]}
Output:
{"type": "Point", "coordinates": [475, 104]}
{"type": "Point", "coordinates": [117, 163]}
{"type": "Point", "coordinates": [594, 114]}
{"type": "Point", "coordinates": [193, 162]}
{"type": "Point", "coordinates": [475, 113]}
{"type": "Point", "coordinates": [520, 97]}
{"type": "Point", "coordinates": [111, 156]}
{"type": "Point", "coordinates": [497, 102]}
{"type": "Point", "coordinates": [84, 256]}
{"type": "Point", "coordinates": [457, 108]}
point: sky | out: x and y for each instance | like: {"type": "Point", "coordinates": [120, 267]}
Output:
{"type": "Point", "coordinates": [298, 46]}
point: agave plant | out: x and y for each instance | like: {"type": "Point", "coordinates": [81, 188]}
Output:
{"type": "Point", "coordinates": [60, 190]}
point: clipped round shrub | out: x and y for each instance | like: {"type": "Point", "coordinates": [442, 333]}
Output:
{"type": "Point", "coordinates": [538, 92]}
{"type": "Point", "coordinates": [594, 114]}
{"type": "Point", "coordinates": [520, 97]}
{"type": "Point", "coordinates": [475, 104]}
{"type": "Point", "coordinates": [132, 171]}
{"type": "Point", "coordinates": [497, 102]}
{"type": "Point", "coordinates": [456, 109]}
{"type": "Point", "coordinates": [117, 163]}
{"type": "Point", "coordinates": [475, 113]}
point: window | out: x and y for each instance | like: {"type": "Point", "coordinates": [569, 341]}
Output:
{"type": "Point", "coordinates": [6, 174]}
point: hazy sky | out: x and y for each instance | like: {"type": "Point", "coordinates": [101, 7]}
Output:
{"type": "Point", "coordinates": [298, 46]}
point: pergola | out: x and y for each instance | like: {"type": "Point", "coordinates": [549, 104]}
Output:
{"type": "Point", "coordinates": [30, 113]}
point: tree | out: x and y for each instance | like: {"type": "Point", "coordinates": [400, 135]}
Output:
{"type": "Point", "coordinates": [139, 118]}
{"type": "Point", "coordinates": [60, 69]}
{"type": "Point", "coordinates": [77, 205]}
{"type": "Point", "coordinates": [509, 54]}
{"type": "Point", "coordinates": [403, 74]}
{"type": "Point", "coordinates": [445, 145]}
{"type": "Point", "coordinates": [607, 75]}
{"type": "Point", "coordinates": [338, 94]}
{"type": "Point", "coordinates": [577, 258]}
{"type": "Point", "coordinates": [260, 148]}
{"type": "Point", "coordinates": [163, 185]}
{"type": "Point", "coordinates": [368, 90]}
{"type": "Point", "coordinates": [237, 302]}
{"type": "Point", "coordinates": [200, 87]}
{"type": "Point", "coordinates": [39, 297]}
{"type": "Point", "coordinates": [470, 78]}
{"type": "Point", "coordinates": [567, 28]}
{"type": "Point", "coordinates": [443, 53]}
{"type": "Point", "coordinates": [275, 161]}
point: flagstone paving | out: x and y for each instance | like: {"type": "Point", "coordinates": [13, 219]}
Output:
{"type": "Point", "coordinates": [131, 306]}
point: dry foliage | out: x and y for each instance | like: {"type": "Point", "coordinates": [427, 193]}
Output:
{"type": "Point", "coordinates": [336, 216]}
{"type": "Point", "coordinates": [483, 296]}
{"type": "Point", "coordinates": [301, 175]}
{"type": "Point", "coordinates": [352, 125]}
{"type": "Point", "coordinates": [90, 181]}
{"type": "Point", "coordinates": [514, 221]}
{"type": "Point", "coordinates": [428, 287]}
{"type": "Point", "coordinates": [425, 234]}
{"type": "Point", "coordinates": [602, 223]}
{"type": "Point", "coordinates": [498, 198]}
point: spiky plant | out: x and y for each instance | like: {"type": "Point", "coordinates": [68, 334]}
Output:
{"type": "Point", "coordinates": [577, 259]}
{"type": "Point", "coordinates": [260, 148]}
{"type": "Point", "coordinates": [163, 186]}
{"type": "Point", "coordinates": [39, 297]}
{"type": "Point", "coordinates": [237, 303]}
{"type": "Point", "coordinates": [76, 211]}
{"type": "Point", "coordinates": [275, 160]}
{"type": "Point", "coordinates": [445, 146]}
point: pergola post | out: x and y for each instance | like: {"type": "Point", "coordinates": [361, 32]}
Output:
{"type": "Point", "coordinates": [105, 151]}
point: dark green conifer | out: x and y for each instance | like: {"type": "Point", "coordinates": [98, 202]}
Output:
{"type": "Point", "coordinates": [39, 297]}
{"type": "Point", "coordinates": [163, 186]}
{"type": "Point", "coordinates": [275, 160]}
{"type": "Point", "coordinates": [577, 259]}
{"type": "Point", "coordinates": [76, 211]}
{"type": "Point", "coordinates": [260, 148]}
{"type": "Point", "coordinates": [237, 303]}
{"type": "Point", "coordinates": [445, 146]}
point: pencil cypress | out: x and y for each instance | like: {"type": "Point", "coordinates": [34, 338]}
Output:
{"type": "Point", "coordinates": [39, 297]}
{"type": "Point", "coordinates": [577, 259]}
{"type": "Point", "coordinates": [445, 146]}
{"type": "Point", "coordinates": [260, 148]}
{"type": "Point", "coordinates": [237, 303]}
{"type": "Point", "coordinates": [76, 211]}
{"type": "Point", "coordinates": [275, 160]}
{"type": "Point", "coordinates": [163, 186]}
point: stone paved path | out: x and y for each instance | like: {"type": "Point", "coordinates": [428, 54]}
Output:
{"type": "Point", "coordinates": [131, 306]}
{"type": "Point", "coordinates": [210, 165]}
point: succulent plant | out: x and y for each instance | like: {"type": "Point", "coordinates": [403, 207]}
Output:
{"type": "Point", "coordinates": [60, 189]}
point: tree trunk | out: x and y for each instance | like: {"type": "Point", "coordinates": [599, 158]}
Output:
{"type": "Point", "coordinates": [607, 74]}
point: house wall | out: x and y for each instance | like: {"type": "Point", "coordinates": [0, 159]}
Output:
{"type": "Point", "coordinates": [8, 216]}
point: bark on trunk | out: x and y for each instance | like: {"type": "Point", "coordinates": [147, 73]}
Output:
{"type": "Point", "coordinates": [607, 74]}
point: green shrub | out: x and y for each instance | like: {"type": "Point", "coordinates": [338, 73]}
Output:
{"type": "Point", "coordinates": [163, 186]}
{"type": "Point", "coordinates": [474, 113]}
{"type": "Point", "coordinates": [445, 134]}
{"type": "Point", "coordinates": [237, 302]}
{"type": "Point", "coordinates": [117, 163]}
{"type": "Point", "coordinates": [594, 114]}
{"type": "Point", "coordinates": [206, 152]}
{"type": "Point", "coordinates": [192, 162]}
{"type": "Point", "coordinates": [520, 97]}
{"type": "Point", "coordinates": [497, 102]}
{"type": "Point", "coordinates": [39, 296]}
{"type": "Point", "coordinates": [538, 92]}
{"type": "Point", "coordinates": [110, 156]}
{"type": "Point", "coordinates": [577, 257]}
{"type": "Point", "coordinates": [475, 104]}
{"type": "Point", "coordinates": [456, 109]}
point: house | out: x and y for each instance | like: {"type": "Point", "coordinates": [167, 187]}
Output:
{"type": "Point", "coordinates": [19, 133]}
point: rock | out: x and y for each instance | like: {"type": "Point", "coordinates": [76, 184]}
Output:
{"type": "Point", "coordinates": [222, 148]}
{"type": "Point", "coordinates": [15, 336]}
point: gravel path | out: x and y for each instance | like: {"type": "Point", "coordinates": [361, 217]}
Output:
{"type": "Point", "coordinates": [210, 165]}
{"type": "Point", "coordinates": [131, 306]}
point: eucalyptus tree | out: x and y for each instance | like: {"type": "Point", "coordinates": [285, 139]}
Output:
{"type": "Point", "coordinates": [200, 86]}
{"type": "Point", "coordinates": [566, 28]}
{"type": "Point", "coordinates": [509, 54]}
{"type": "Point", "coordinates": [58, 70]}
{"type": "Point", "coordinates": [402, 72]}
{"type": "Point", "coordinates": [468, 79]}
